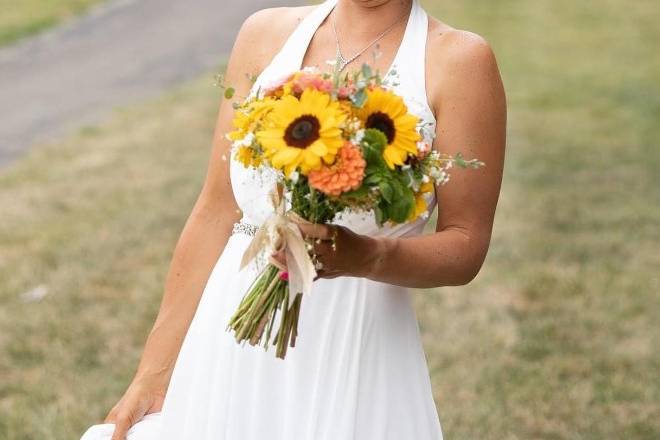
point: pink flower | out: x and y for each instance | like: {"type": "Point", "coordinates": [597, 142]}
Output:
{"type": "Point", "coordinates": [306, 80]}
{"type": "Point", "coordinates": [284, 276]}
{"type": "Point", "coordinates": [345, 92]}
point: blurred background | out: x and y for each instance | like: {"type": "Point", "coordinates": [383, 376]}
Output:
{"type": "Point", "coordinates": [106, 114]}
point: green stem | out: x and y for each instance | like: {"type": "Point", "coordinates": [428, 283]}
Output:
{"type": "Point", "coordinates": [245, 331]}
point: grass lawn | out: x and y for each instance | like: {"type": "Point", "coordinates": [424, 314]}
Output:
{"type": "Point", "coordinates": [554, 340]}
{"type": "Point", "coordinates": [25, 17]}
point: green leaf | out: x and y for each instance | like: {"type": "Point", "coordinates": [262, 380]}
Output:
{"type": "Point", "coordinates": [359, 193]}
{"type": "Point", "coordinates": [372, 179]}
{"type": "Point", "coordinates": [402, 202]}
{"type": "Point", "coordinates": [375, 139]}
{"type": "Point", "coordinates": [229, 92]}
{"type": "Point", "coordinates": [386, 191]}
{"type": "Point", "coordinates": [372, 156]}
{"type": "Point", "coordinates": [360, 98]}
{"type": "Point", "coordinates": [373, 143]}
{"type": "Point", "coordinates": [366, 71]}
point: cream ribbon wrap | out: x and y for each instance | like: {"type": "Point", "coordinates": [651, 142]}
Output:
{"type": "Point", "coordinates": [280, 233]}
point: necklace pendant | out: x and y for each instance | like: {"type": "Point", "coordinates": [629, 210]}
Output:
{"type": "Point", "coordinates": [341, 61]}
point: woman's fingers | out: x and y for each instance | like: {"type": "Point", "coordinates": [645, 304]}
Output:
{"type": "Point", "coordinates": [122, 425]}
{"type": "Point", "coordinates": [326, 274]}
{"type": "Point", "coordinates": [129, 411]}
{"type": "Point", "coordinates": [144, 396]}
{"type": "Point", "coordinates": [323, 239]}
{"type": "Point", "coordinates": [279, 257]}
{"type": "Point", "coordinates": [314, 230]}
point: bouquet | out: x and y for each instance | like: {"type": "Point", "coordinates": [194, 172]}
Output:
{"type": "Point", "coordinates": [338, 143]}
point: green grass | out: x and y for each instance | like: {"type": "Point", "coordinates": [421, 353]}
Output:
{"type": "Point", "coordinates": [554, 340]}
{"type": "Point", "coordinates": [94, 219]}
{"type": "Point", "coordinates": [26, 17]}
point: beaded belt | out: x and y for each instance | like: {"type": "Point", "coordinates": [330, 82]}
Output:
{"type": "Point", "coordinates": [244, 228]}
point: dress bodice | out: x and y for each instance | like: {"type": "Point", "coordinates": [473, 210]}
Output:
{"type": "Point", "coordinates": [408, 79]}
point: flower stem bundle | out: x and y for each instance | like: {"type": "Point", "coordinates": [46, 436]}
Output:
{"type": "Point", "coordinates": [265, 303]}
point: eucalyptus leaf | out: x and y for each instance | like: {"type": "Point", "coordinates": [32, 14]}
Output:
{"type": "Point", "coordinates": [366, 71]}
{"type": "Point", "coordinates": [360, 98]}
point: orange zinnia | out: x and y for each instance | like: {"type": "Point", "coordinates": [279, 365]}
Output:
{"type": "Point", "coordinates": [344, 175]}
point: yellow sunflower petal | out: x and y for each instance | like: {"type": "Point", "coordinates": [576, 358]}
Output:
{"type": "Point", "coordinates": [404, 146]}
{"type": "Point", "coordinates": [310, 162]}
{"type": "Point", "coordinates": [271, 139]}
{"type": "Point", "coordinates": [285, 156]}
{"type": "Point", "coordinates": [318, 148]}
{"type": "Point", "coordinates": [290, 168]}
{"type": "Point", "coordinates": [313, 100]}
{"type": "Point", "coordinates": [393, 156]}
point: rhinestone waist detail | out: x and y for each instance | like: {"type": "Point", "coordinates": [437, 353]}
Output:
{"type": "Point", "coordinates": [244, 228]}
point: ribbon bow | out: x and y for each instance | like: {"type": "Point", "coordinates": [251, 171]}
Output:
{"type": "Point", "coordinates": [280, 233]}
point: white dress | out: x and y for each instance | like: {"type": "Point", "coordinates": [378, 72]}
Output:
{"type": "Point", "coordinates": [358, 371]}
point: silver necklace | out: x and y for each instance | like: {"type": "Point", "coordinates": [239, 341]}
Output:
{"type": "Point", "coordinates": [341, 60]}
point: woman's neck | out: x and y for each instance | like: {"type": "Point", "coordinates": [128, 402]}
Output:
{"type": "Point", "coordinates": [366, 18]}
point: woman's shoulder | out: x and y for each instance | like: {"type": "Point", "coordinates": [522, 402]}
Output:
{"type": "Point", "coordinates": [458, 59]}
{"type": "Point", "coordinates": [278, 20]}
{"type": "Point", "coordinates": [449, 45]}
{"type": "Point", "coordinates": [265, 32]}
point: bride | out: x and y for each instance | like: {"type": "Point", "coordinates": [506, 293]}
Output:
{"type": "Point", "coordinates": [358, 371]}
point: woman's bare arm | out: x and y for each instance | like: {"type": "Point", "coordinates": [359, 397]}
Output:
{"type": "Point", "coordinates": [470, 107]}
{"type": "Point", "coordinates": [202, 239]}
{"type": "Point", "coordinates": [201, 242]}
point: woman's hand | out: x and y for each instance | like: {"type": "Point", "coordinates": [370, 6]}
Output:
{"type": "Point", "coordinates": [340, 251]}
{"type": "Point", "coordinates": [143, 396]}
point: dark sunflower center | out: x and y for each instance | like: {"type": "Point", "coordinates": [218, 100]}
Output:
{"type": "Point", "coordinates": [302, 132]}
{"type": "Point", "coordinates": [381, 121]}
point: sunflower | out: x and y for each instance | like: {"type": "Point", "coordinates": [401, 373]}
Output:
{"type": "Point", "coordinates": [248, 116]}
{"type": "Point", "coordinates": [302, 133]}
{"type": "Point", "coordinates": [246, 156]}
{"type": "Point", "coordinates": [385, 111]}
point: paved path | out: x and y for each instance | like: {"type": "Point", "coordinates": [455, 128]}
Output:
{"type": "Point", "coordinates": [123, 51]}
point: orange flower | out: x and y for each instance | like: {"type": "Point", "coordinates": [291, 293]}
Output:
{"type": "Point", "coordinates": [344, 175]}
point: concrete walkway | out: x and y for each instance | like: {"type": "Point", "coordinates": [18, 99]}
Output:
{"type": "Point", "coordinates": [123, 51]}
